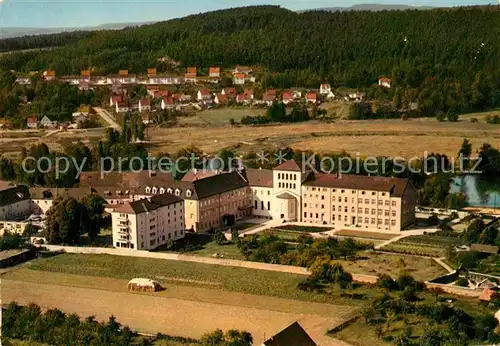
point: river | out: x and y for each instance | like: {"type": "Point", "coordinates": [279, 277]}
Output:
{"type": "Point", "coordinates": [481, 192]}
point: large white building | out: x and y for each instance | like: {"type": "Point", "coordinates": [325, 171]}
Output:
{"type": "Point", "coordinates": [148, 223]}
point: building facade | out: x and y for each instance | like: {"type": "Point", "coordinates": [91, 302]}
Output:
{"type": "Point", "coordinates": [148, 223]}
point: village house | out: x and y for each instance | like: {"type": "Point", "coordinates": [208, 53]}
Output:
{"type": "Point", "coordinates": [151, 72]}
{"type": "Point", "coordinates": [220, 99]}
{"type": "Point", "coordinates": [239, 79]}
{"type": "Point", "coordinates": [161, 94]}
{"type": "Point", "coordinates": [85, 75]}
{"type": "Point", "coordinates": [191, 74]}
{"type": "Point", "coordinates": [122, 107]}
{"type": "Point", "coordinates": [167, 103]}
{"type": "Point", "coordinates": [84, 85]}
{"type": "Point", "coordinates": [32, 122]}
{"type": "Point", "coordinates": [148, 223]}
{"type": "Point", "coordinates": [164, 80]}
{"type": "Point", "coordinates": [123, 77]}
{"type": "Point", "coordinates": [49, 75]}
{"type": "Point", "coordinates": [113, 100]}
{"type": "Point", "coordinates": [243, 98]}
{"type": "Point", "coordinates": [214, 72]}
{"type": "Point", "coordinates": [43, 198]}
{"type": "Point", "coordinates": [311, 97]}
{"type": "Point", "coordinates": [325, 89]}
{"type": "Point", "coordinates": [288, 97]}
{"type": "Point", "coordinates": [267, 99]}
{"type": "Point", "coordinates": [98, 80]}
{"type": "Point", "coordinates": [242, 69]}
{"type": "Point", "coordinates": [72, 80]}
{"type": "Point", "coordinates": [229, 92]}
{"type": "Point", "coordinates": [204, 95]}
{"type": "Point", "coordinates": [385, 82]}
{"type": "Point", "coordinates": [144, 105]}
{"type": "Point", "coordinates": [47, 123]}
{"type": "Point", "coordinates": [355, 96]}
{"type": "Point", "coordinates": [182, 98]}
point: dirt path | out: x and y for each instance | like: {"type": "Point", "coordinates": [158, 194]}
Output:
{"type": "Point", "coordinates": [108, 118]}
{"type": "Point", "coordinates": [152, 314]}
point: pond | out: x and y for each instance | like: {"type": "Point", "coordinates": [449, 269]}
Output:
{"type": "Point", "coordinates": [481, 192]}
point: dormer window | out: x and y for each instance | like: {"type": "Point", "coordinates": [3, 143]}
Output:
{"type": "Point", "coordinates": [169, 190]}
{"type": "Point", "coordinates": [177, 192]}
{"type": "Point", "coordinates": [162, 190]}
{"type": "Point", "coordinates": [188, 193]}
{"type": "Point", "coordinates": [148, 189]}
{"type": "Point", "coordinates": [155, 190]}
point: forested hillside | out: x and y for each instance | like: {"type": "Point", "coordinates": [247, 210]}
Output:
{"type": "Point", "coordinates": [442, 58]}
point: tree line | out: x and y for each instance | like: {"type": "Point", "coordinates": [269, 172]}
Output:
{"type": "Point", "coordinates": [54, 327]}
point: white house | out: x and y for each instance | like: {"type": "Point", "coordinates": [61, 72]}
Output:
{"type": "Point", "coordinates": [164, 80]}
{"type": "Point", "coordinates": [122, 107]}
{"type": "Point", "coordinates": [214, 72]}
{"type": "Point", "coordinates": [167, 103]}
{"type": "Point", "coordinates": [385, 82]}
{"type": "Point", "coordinates": [325, 89]}
{"type": "Point", "coordinates": [204, 95]}
{"type": "Point", "coordinates": [32, 122]}
{"type": "Point", "coordinates": [148, 223]}
{"type": "Point", "coordinates": [23, 80]}
{"type": "Point", "coordinates": [239, 79]}
{"type": "Point", "coordinates": [46, 122]}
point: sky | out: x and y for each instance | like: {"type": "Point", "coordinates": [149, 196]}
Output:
{"type": "Point", "coordinates": [78, 13]}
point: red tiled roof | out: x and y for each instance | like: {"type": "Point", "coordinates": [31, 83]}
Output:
{"type": "Point", "coordinates": [268, 97]}
{"type": "Point", "coordinates": [229, 91]}
{"type": "Point", "coordinates": [204, 92]}
{"type": "Point", "coordinates": [271, 92]}
{"type": "Point", "coordinates": [289, 165]}
{"type": "Point", "coordinates": [259, 177]}
{"type": "Point", "coordinates": [31, 120]}
{"type": "Point", "coordinates": [191, 70]}
{"type": "Point", "coordinates": [145, 102]}
{"type": "Point", "coordinates": [214, 70]}
{"type": "Point", "coordinates": [325, 85]}
{"type": "Point", "coordinates": [117, 98]}
{"type": "Point", "coordinates": [123, 72]}
{"type": "Point", "coordinates": [239, 75]}
{"type": "Point", "coordinates": [190, 75]}
{"type": "Point", "coordinates": [161, 93]}
{"type": "Point", "coordinates": [168, 100]}
{"type": "Point", "coordinates": [193, 175]}
{"type": "Point", "coordinates": [487, 295]}
{"type": "Point", "coordinates": [221, 98]}
{"type": "Point", "coordinates": [385, 79]}
{"type": "Point", "coordinates": [311, 96]}
{"type": "Point", "coordinates": [151, 72]}
{"type": "Point", "coordinates": [288, 95]}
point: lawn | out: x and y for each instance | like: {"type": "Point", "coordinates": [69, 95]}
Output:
{"type": "Point", "coordinates": [229, 251]}
{"type": "Point", "coordinates": [243, 280]}
{"type": "Point", "coordinates": [218, 117]}
{"type": "Point", "coordinates": [289, 236]}
{"type": "Point", "coordinates": [304, 229]}
{"type": "Point", "coordinates": [373, 263]}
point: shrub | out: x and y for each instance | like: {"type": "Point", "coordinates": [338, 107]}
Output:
{"type": "Point", "coordinates": [462, 282]}
{"type": "Point", "coordinates": [474, 120]}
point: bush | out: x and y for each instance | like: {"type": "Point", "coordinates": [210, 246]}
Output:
{"type": "Point", "coordinates": [474, 120]}
{"type": "Point", "coordinates": [385, 281]}
{"type": "Point", "coordinates": [219, 238]}
{"type": "Point", "coordinates": [462, 282]}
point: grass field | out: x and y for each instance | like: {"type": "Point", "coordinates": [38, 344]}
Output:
{"type": "Point", "coordinates": [370, 137]}
{"type": "Point", "coordinates": [423, 245]}
{"type": "Point", "coordinates": [243, 280]}
{"type": "Point", "coordinates": [229, 251]}
{"type": "Point", "coordinates": [373, 263]}
{"type": "Point", "coordinates": [220, 117]}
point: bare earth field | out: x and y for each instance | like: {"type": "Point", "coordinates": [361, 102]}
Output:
{"type": "Point", "coordinates": [179, 310]}
{"type": "Point", "coordinates": [370, 137]}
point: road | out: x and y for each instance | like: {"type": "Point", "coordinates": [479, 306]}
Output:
{"type": "Point", "coordinates": [108, 118]}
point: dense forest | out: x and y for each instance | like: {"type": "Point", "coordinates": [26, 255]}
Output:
{"type": "Point", "coordinates": [443, 58]}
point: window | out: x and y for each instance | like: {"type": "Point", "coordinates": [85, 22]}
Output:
{"type": "Point", "coordinates": [340, 199]}
{"type": "Point", "coordinates": [148, 190]}
{"type": "Point", "coordinates": [380, 211]}
{"type": "Point", "coordinates": [367, 211]}
{"type": "Point", "coordinates": [322, 206]}
{"type": "Point", "coordinates": [367, 201]}
{"type": "Point", "coordinates": [305, 205]}
{"type": "Point", "coordinates": [345, 218]}
{"type": "Point", "coordinates": [353, 210]}
{"type": "Point", "coordinates": [345, 209]}
{"type": "Point", "coordinates": [305, 214]}
{"type": "Point", "coordinates": [268, 205]}
{"type": "Point", "coordinates": [386, 222]}
{"type": "Point", "coordinates": [353, 192]}
{"type": "Point", "coordinates": [367, 220]}
{"type": "Point", "coordinates": [380, 202]}
{"type": "Point", "coordinates": [374, 201]}
{"type": "Point", "coordinates": [345, 200]}
{"type": "Point", "coordinates": [360, 210]}
{"type": "Point", "coordinates": [379, 221]}
{"type": "Point", "coordinates": [317, 215]}
{"type": "Point", "coordinates": [342, 191]}
{"type": "Point", "coordinates": [386, 213]}
{"type": "Point", "coordinates": [387, 203]}
{"type": "Point", "coordinates": [393, 222]}
{"type": "Point", "coordinates": [363, 192]}
{"type": "Point", "coordinates": [374, 193]}
{"type": "Point", "coordinates": [360, 200]}
{"type": "Point", "coordinates": [169, 190]}
{"type": "Point", "coordinates": [162, 191]}
{"type": "Point", "coordinates": [374, 211]}
{"type": "Point", "coordinates": [286, 177]}
{"type": "Point", "coordinates": [373, 221]}
{"type": "Point", "coordinates": [333, 217]}
{"type": "Point", "coordinates": [279, 185]}
{"type": "Point", "coordinates": [393, 203]}
{"type": "Point", "coordinates": [256, 206]}
{"type": "Point", "coordinates": [333, 208]}
{"type": "Point", "coordinates": [322, 198]}
{"type": "Point", "coordinates": [279, 175]}
{"type": "Point", "coordinates": [262, 205]}
{"type": "Point", "coordinates": [155, 190]}
{"type": "Point", "coordinates": [294, 186]}
{"type": "Point", "coordinates": [393, 213]}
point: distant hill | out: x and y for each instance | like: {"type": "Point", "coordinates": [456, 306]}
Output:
{"type": "Point", "coordinates": [372, 7]}
{"type": "Point", "coordinates": [11, 32]}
